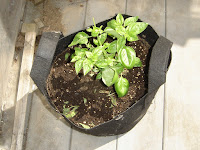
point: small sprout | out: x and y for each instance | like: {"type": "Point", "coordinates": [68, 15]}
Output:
{"type": "Point", "coordinates": [67, 56]}
{"type": "Point", "coordinates": [110, 94]}
{"type": "Point", "coordinates": [84, 126]}
{"type": "Point", "coordinates": [95, 90]}
{"type": "Point", "coordinates": [91, 74]}
{"type": "Point", "coordinates": [70, 112]}
{"type": "Point", "coordinates": [111, 106]}
{"type": "Point", "coordinates": [92, 124]}
{"type": "Point", "coordinates": [84, 100]}
{"type": "Point", "coordinates": [95, 69]}
{"type": "Point", "coordinates": [113, 100]}
{"type": "Point", "coordinates": [66, 102]}
{"type": "Point", "coordinates": [104, 92]}
{"type": "Point", "coordinates": [99, 76]}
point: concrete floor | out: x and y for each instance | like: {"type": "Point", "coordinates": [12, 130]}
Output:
{"type": "Point", "coordinates": [172, 121]}
{"type": "Point", "coordinates": [11, 13]}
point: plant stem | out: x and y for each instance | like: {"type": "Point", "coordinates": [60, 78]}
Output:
{"type": "Point", "coordinates": [94, 22]}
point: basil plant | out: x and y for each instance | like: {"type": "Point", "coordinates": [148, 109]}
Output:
{"type": "Point", "coordinates": [108, 60]}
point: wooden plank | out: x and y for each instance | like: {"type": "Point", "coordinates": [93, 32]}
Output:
{"type": "Point", "coordinates": [73, 14]}
{"type": "Point", "coordinates": [47, 129]}
{"type": "Point", "coordinates": [100, 10]}
{"type": "Point", "coordinates": [39, 23]}
{"type": "Point", "coordinates": [8, 107]}
{"type": "Point", "coordinates": [103, 9]}
{"type": "Point", "coordinates": [23, 92]}
{"type": "Point", "coordinates": [182, 130]}
{"type": "Point", "coordinates": [81, 141]}
{"type": "Point", "coordinates": [11, 14]}
{"type": "Point", "coordinates": [37, 2]}
{"type": "Point", "coordinates": [147, 134]}
{"type": "Point", "coordinates": [151, 11]}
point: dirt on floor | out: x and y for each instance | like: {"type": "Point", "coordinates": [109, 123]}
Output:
{"type": "Point", "coordinates": [50, 16]}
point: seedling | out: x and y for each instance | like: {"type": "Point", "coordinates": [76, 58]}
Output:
{"type": "Point", "coordinates": [108, 60]}
{"type": "Point", "coordinates": [84, 126]}
{"type": "Point", "coordinates": [67, 56]}
{"type": "Point", "coordinates": [84, 100]}
{"type": "Point", "coordinates": [113, 100]}
{"type": "Point", "coordinates": [70, 112]}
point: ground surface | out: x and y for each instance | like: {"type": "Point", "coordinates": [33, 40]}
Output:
{"type": "Point", "coordinates": [172, 121]}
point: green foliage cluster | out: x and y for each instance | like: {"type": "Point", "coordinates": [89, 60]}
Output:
{"type": "Point", "coordinates": [108, 60]}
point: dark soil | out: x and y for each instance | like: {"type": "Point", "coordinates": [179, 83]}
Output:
{"type": "Point", "coordinates": [63, 84]}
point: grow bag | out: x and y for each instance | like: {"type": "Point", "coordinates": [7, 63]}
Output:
{"type": "Point", "coordinates": [52, 44]}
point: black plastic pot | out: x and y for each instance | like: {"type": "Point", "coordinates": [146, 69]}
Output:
{"type": "Point", "coordinates": [52, 44]}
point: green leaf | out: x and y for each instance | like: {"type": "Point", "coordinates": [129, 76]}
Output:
{"type": "Point", "coordinates": [113, 100]}
{"type": "Point", "coordinates": [99, 75]}
{"type": "Point", "coordinates": [67, 56]}
{"type": "Point", "coordinates": [121, 43]}
{"type": "Point", "coordinates": [98, 50]}
{"type": "Point", "coordinates": [112, 47]}
{"type": "Point", "coordinates": [113, 24]}
{"type": "Point", "coordinates": [66, 110]}
{"type": "Point", "coordinates": [101, 64]}
{"type": "Point", "coordinates": [133, 37]}
{"type": "Point", "coordinates": [70, 112]}
{"type": "Point", "coordinates": [75, 58]}
{"type": "Point", "coordinates": [109, 76]}
{"type": "Point", "coordinates": [80, 52]}
{"type": "Point", "coordinates": [96, 69]}
{"type": "Point", "coordinates": [89, 45]}
{"type": "Point", "coordinates": [94, 58]}
{"type": "Point", "coordinates": [77, 48]}
{"type": "Point", "coordinates": [89, 54]}
{"type": "Point", "coordinates": [106, 45]}
{"type": "Point", "coordinates": [118, 68]}
{"type": "Point", "coordinates": [127, 56]}
{"type": "Point", "coordinates": [138, 62]}
{"type": "Point", "coordinates": [120, 19]}
{"type": "Point", "coordinates": [72, 56]}
{"type": "Point", "coordinates": [89, 29]}
{"type": "Point", "coordinates": [121, 30]}
{"type": "Point", "coordinates": [115, 78]}
{"type": "Point", "coordinates": [110, 61]}
{"type": "Point", "coordinates": [121, 87]}
{"type": "Point", "coordinates": [78, 66]}
{"type": "Point", "coordinates": [84, 100]}
{"type": "Point", "coordinates": [130, 20]}
{"type": "Point", "coordinates": [94, 34]}
{"type": "Point", "coordinates": [112, 32]}
{"type": "Point", "coordinates": [95, 41]}
{"type": "Point", "coordinates": [96, 31]}
{"type": "Point", "coordinates": [136, 28]}
{"type": "Point", "coordinates": [87, 66]}
{"type": "Point", "coordinates": [84, 126]}
{"type": "Point", "coordinates": [80, 38]}
{"type": "Point", "coordinates": [111, 55]}
{"type": "Point", "coordinates": [66, 102]}
{"type": "Point", "coordinates": [102, 38]}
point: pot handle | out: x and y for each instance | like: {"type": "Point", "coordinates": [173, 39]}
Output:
{"type": "Point", "coordinates": [159, 63]}
{"type": "Point", "coordinates": [43, 59]}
